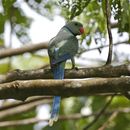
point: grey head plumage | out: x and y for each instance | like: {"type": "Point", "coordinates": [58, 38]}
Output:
{"type": "Point", "coordinates": [75, 27]}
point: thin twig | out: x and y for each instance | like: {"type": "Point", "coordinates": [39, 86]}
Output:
{"type": "Point", "coordinates": [75, 116]}
{"type": "Point", "coordinates": [10, 44]}
{"type": "Point", "coordinates": [99, 114]}
{"type": "Point", "coordinates": [18, 108]}
{"type": "Point", "coordinates": [105, 125]}
{"type": "Point", "coordinates": [31, 100]}
{"type": "Point", "coordinates": [108, 16]}
{"type": "Point", "coordinates": [103, 46]}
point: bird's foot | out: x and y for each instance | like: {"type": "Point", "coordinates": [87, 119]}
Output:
{"type": "Point", "coordinates": [75, 68]}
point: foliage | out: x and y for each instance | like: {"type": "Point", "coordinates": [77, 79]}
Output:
{"type": "Point", "coordinates": [73, 8]}
{"type": "Point", "coordinates": [91, 14]}
{"type": "Point", "coordinates": [19, 23]}
{"type": "Point", "coordinates": [43, 7]}
{"type": "Point", "coordinates": [121, 12]}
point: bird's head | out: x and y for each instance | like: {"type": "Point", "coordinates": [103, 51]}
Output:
{"type": "Point", "coordinates": [75, 27]}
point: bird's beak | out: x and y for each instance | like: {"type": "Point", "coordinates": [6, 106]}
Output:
{"type": "Point", "coordinates": [81, 30]}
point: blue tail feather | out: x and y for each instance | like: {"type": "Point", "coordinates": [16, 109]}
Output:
{"type": "Point", "coordinates": [58, 72]}
{"type": "Point", "coordinates": [55, 107]}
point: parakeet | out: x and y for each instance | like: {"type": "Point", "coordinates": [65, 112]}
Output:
{"type": "Point", "coordinates": [62, 47]}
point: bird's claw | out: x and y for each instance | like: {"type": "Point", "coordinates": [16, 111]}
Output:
{"type": "Point", "coordinates": [75, 68]}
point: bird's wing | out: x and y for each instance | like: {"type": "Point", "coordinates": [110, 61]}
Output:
{"type": "Point", "coordinates": [60, 51]}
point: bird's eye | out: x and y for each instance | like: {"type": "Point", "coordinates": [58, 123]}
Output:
{"type": "Point", "coordinates": [76, 24]}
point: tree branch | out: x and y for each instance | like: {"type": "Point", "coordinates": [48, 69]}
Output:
{"type": "Point", "coordinates": [22, 89]}
{"type": "Point", "coordinates": [26, 48]}
{"type": "Point", "coordinates": [75, 116]}
{"type": "Point", "coordinates": [104, 46]}
{"type": "Point", "coordinates": [22, 107]}
{"type": "Point", "coordinates": [34, 47]}
{"type": "Point", "coordinates": [12, 105]}
{"type": "Point", "coordinates": [108, 16]}
{"type": "Point", "coordinates": [101, 112]}
{"type": "Point", "coordinates": [110, 119]}
{"type": "Point", "coordinates": [103, 71]}
{"type": "Point", "coordinates": [114, 25]}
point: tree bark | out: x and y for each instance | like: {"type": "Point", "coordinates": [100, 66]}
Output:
{"type": "Point", "coordinates": [103, 71]}
{"type": "Point", "coordinates": [26, 48]}
{"type": "Point", "coordinates": [65, 88]}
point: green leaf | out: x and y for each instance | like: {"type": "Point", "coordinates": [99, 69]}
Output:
{"type": "Point", "coordinates": [7, 5]}
{"type": "Point", "coordinates": [98, 102]}
{"type": "Point", "coordinates": [88, 42]}
{"type": "Point", "coordinates": [38, 1]}
{"type": "Point", "coordinates": [4, 68]}
{"type": "Point", "coordinates": [1, 42]}
{"type": "Point", "coordinates": [2, 23]}
{"type": "Point", "coordinates": [120, 102]}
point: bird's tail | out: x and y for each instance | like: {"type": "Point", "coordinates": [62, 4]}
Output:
{"type": "Point", "coordinates": [58, 72]}
{"type": "Point", "coordinates": [55, 110]}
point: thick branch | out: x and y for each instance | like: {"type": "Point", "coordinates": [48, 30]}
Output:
{"type": "Point", "coordinates": [26, 48]}
{"type": "Point", "coordinates": [23, 89]}
{"type": "Point", "coordinates": [103, 71]}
